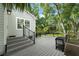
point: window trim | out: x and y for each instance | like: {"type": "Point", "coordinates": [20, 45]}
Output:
{"type": "Point", "coordinates": [17, 22]}
{"type": "Point", "coordinates": [29, 23]}
{"type": "Point", "coordinates": [24, 22]}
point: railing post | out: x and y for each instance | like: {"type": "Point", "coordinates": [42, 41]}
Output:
{"type": "Point", "coordinates": [34, 38]}
{"type": "Point", "coordinates": [23, 31]}
{"type": "Point", "coordinates": [29, 32]}
{"type": "Point", "coordinates": [5, 49]}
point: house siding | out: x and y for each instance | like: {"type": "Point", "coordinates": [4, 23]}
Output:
{"type": "Point", "coordinates": [2, 43]}
{"type": "Point", "coordinates": [12, 23]}
{"type": "Point", "coordinates": [8, 25]}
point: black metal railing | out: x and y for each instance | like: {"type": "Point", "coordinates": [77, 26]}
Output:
{"type": "Point", "coordinates": [29, 33]}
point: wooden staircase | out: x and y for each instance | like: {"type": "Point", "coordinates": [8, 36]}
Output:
{"type": "Point", "coordinates": [18, 43]}
{"type": "Point", "coordinates": [15, 44]}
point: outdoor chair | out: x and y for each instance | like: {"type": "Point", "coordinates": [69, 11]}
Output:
{"type": "Point", "coordinates": [60, 43]}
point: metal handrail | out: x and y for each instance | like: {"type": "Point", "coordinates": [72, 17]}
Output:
{"type": "Point", "coordinates": [32, 37]}
{"type": "Point", "coordinates": [29, 29]}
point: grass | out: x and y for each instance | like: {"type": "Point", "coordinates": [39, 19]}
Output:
{"type": "Point", "coordinates": [56, 35]}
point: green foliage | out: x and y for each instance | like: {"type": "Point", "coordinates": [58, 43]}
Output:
{"type": "Point", "coordinates": [65, 20]}
{"type": "Point", "coordinates": [20, 6]}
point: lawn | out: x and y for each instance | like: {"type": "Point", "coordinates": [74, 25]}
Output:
{"type": "Point", "coordinates": [56, 35]}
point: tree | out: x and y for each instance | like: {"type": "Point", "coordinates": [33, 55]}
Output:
{"type": "Point", "coordinates": [20, 6]}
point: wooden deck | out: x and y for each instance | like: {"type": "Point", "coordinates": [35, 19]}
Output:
{"type": "Point", "coordinates": [44, 46]}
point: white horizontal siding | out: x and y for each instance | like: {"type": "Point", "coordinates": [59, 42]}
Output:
{"type": "Point", "coordinates": [23, 15]}
{"type": "Point", "coordinates": [1, 29]}
{"type": "Point", "coordinates": [1, 25]}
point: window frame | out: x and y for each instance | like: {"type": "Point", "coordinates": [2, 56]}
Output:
{"type": "Point", "coordinates": [24, 22]}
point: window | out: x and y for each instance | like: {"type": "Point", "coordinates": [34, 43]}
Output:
{"type": "Point", "coordinates": [27, 23]}
{"type": "Point", "coordinates": [20, 23]}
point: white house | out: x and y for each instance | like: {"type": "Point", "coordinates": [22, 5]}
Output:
{"type": "Point", "coordinates": [11, 25]}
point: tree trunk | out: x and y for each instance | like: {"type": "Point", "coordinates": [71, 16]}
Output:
{"type": "Point", "coordinates": [61, 23]}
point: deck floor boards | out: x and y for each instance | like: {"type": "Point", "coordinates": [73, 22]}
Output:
{"type": "Point", "coordinates": [44, 46]}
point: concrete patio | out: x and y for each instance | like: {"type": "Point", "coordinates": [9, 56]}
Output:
{"type": "Point", "coordinates": [44, 46]}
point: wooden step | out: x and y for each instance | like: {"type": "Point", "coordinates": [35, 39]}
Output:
{"type": "Point", "coordinates": [19, 47]}
{"type": "Point", "coordinates": [11, 46]}
{"type": "Point", "coordinates": [16, 41]}
{"type": "Point", "coordinates": [14, 38]}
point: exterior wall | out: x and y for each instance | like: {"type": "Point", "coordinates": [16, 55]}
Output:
{"type": "Point", "coordinates": [8, 25]}
{"type": "Point", "coordinates": [33, 25]}
{"type": "Point", "coordinates": [12, 22]}
{"type": "Point", "coordinates": [2, 31]}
